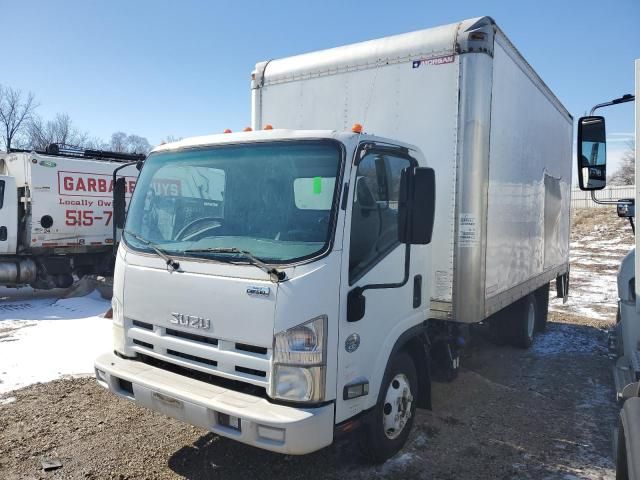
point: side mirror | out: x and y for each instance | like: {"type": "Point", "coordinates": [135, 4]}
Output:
{"type": "Point", "coordinates": [356, 305]}
{"type": "Point", "coordinates": [592, 153]}
{"type": "Point", "coordinates": [626, 208]}
{"type": "Point", "coordinates": [417, 205]}
{"type": "Point", "coordinates": [119, 202]}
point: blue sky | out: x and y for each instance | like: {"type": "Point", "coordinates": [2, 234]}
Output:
{"type": "Point", "coordinates": [158, 68]}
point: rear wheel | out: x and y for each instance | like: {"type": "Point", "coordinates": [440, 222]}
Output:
{"type": "Point", "coordinates": [542, 297]}
{"type": "Point", "coordinates": [524, 324]}
{"type": "Point", "coordinates": [392, 418]}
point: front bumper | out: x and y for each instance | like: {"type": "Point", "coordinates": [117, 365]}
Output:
{"type": "Point", "coordinates": [265, 425]}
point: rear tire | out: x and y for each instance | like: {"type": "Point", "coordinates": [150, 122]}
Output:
{"type": "Point", "coordinates": [390, 421]}
{"type": "Point", "coordinates": [542, 297]}
{"type": "Point", "coordinates": [526, 312]}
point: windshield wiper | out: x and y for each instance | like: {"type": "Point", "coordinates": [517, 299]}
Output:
{"type": "Point", "coordinates": [274, 274]}
{"type": "Point", "coordinates": [161, 253]}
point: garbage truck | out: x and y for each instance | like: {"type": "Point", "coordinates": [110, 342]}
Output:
{"type": "Point", "coordinates": [56, 214]}
{"type": "Point", "coordinates": [312, 275]}
{"type": "Point", "coordinates": [624, 339]}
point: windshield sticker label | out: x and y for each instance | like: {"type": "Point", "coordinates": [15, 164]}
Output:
{"type": "Point", "coordinates": [467, 231]}
{"type": "Point", "coordinates": [433, 61]}
{"type": "Point", "coordinates": [317, 185]}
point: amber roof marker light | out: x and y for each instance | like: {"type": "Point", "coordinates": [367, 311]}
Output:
{"type": "Point", "coordinates": [357, 128]}
{"type": "Point", "coordinates": [268, 126]}
{"type": "Point", "coordinates": [227, 130]}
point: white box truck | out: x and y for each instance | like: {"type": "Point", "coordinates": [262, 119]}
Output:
{"type": "Point", "coordinates": [625, 337]}
{"type": "Point", "coordinates": [55, 214]}
{"type": "Point", "coordinates": [296, 283]}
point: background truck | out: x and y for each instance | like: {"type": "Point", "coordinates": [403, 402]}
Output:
{"type": "Point", "coordinates": [296, 282]}
{"type": "Point", "coordinates": [625, 338]}
{"type": "Point", "coordinates": [56, 213]}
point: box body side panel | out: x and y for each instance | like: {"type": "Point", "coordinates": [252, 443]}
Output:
{"type": "Point", "coordinates": [528, 214]}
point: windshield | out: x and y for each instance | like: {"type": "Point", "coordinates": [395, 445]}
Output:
{"type": "Point", "coordinates": [273, 200]}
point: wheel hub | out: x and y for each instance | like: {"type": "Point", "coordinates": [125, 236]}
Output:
{"type": "Point", "coordinates": [397, 406]}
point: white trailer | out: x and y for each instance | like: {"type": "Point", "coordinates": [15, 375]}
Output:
{"type": "Point", "coordinates": [56, 215]}
{"type": "Point", "coordinates": [315, 279]}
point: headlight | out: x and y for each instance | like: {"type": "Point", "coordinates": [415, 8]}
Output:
{"type": "Point", "coordinates": [118, 314]}
{"type": "Point", "coordinates": [299, 359]}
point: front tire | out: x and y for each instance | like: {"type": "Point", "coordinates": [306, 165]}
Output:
{"type": "Point", "coordinates": [391, 419]}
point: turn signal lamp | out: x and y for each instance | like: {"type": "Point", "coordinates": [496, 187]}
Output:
{"type": "Point", "coordinates": [357, 128]}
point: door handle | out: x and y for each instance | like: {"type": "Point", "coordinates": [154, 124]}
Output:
{"type": "Point", "coordinates": [3, 234]}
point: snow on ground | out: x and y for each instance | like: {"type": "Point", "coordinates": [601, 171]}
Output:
{"type": "Point", "coordinates": [42, 339]}
{"type": "Point", "coordinates": [600, 240]}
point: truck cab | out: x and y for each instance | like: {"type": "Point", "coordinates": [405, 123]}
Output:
{"type": "Point", "coordinates": [243, 289]}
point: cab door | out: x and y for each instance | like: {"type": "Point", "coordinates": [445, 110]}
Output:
{"type": "Point", "coordinates": [8, 215]}
{"type": "Point", "coordinates": [376, 262]}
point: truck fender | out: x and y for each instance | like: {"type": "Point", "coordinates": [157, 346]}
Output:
{"type": "Point", "coordinates": [416, 343]}
{"type": "Point", "coordinates": [628, 451]}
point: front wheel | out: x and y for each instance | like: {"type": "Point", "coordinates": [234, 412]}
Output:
{"type": "Point", "coordinates": [392, 418]}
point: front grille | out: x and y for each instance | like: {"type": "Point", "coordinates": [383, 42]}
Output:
{"type": "Point", "coordinates": [215, 356]}
{"type": "Point", "coordinates": [192, 336]}
{"type": "Point", "coordinates": [193, 358]}
{"type": "Point", "coordinates": [146, 326]}
{"type": "Point", "coordinates": [251, 371]}
{"type": "Point", "coordinates": [251, 348]}
{"type": "Point", "coordinates": [143, 344]}
{"type": "Point", "coordinates": [205, 377]}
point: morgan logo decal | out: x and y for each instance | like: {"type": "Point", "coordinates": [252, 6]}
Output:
{"type": "Point", "coordinates": [433, 61]}
{"type": "Point", "coordinates": [190, 321]}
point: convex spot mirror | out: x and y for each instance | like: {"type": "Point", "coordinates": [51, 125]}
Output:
{"type": "Point", "coordinates": [417, 205]}
{"type": "Point", "coordinates": [592, 153]}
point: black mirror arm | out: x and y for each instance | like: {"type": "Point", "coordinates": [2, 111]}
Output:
{"type": "Point", "coordinates": [405, 279]}
{"type": "Point", "coordinates": [357, 292]}
{"type": "Point", "coordinates": [623, 99]}
{"type": "Point", "coordinates": [604, 202]}
{"type": "Point", "coordinates": [115, 228]}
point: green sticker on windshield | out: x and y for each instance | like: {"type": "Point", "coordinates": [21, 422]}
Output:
{"type": "Point", "coordinates": [317, 185]}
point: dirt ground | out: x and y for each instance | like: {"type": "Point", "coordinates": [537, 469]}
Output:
{"type": "Point", "coordinates": [542, 413]}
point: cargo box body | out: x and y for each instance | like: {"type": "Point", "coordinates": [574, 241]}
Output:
{"type": "Point", "coordinates": [498, 138]}
{"type": "Point", "coordinates": [68, 200]}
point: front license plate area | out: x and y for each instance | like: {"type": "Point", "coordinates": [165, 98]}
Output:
{"type": "Point", "coordinates": [168, 405]}
{"type": "Point", "coordinates": [229, 421]}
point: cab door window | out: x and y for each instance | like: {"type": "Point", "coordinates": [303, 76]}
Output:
{"type": "Point", "coordinates": [374, 217]}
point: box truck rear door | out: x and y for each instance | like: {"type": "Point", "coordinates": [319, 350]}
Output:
{"type": "Point", "coordinates": [8, 215]}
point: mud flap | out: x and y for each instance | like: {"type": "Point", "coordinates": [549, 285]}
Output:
{"type": "Point", "coordinates": [562, 286]}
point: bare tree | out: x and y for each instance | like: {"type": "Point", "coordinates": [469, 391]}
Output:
{"type": "Point", "coordinates": [41, 134]}
{"type": "Point", "coordinates": [16, 110]}
{"type": "Point", "coordinates": [121, 142]}
{"type": "Point", "coordinates": [626, 172]}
